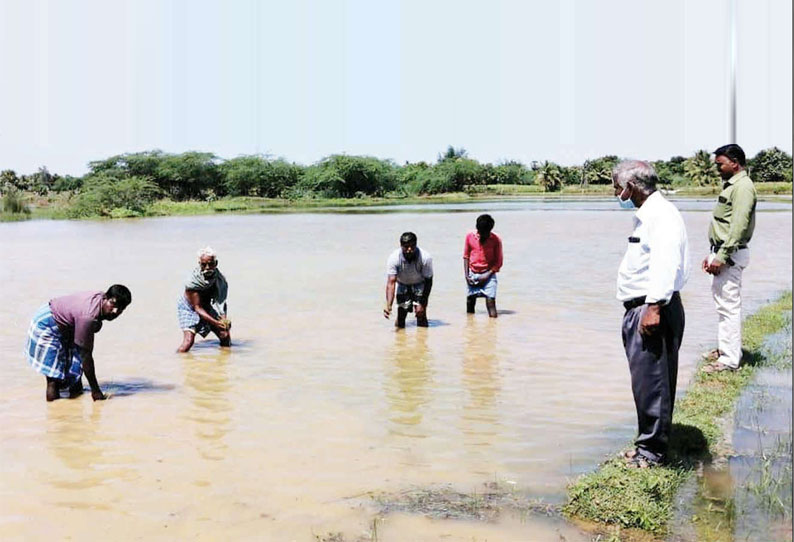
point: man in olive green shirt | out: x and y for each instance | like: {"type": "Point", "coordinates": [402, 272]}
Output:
{"type": "Point", "coordinates": [730, 231]}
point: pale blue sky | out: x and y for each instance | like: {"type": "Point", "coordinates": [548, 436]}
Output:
{"type": "Point", "coordinates": [524, 80]}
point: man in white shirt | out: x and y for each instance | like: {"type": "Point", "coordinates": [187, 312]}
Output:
{"type": "Point", "coordinates": [409, 273]}
{"type": "Point", "coordinates": [651, 275]}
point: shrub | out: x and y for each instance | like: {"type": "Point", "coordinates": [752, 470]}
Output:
{"type": "Point", "coordinates": [104, 195]}
{"type": "Point", "coordinates": [13, 201]}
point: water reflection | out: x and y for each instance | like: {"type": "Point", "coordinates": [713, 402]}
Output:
{"type": "Point", "coordinates": [410, 378]}
{"type": "Point", "coordinates": [72, 437]}
{"type": "Point", "coordinates": [207, 382]}
{"type": "Point", "coordinates": [481, 379]}
{"type": "Point", "coordinates": [90, 458]}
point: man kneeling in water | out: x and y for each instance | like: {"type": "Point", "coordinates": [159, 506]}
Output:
{"type": "Point", "coordinates": [202, 308]}
{"type": "Point", "coordinates": [409, 271]}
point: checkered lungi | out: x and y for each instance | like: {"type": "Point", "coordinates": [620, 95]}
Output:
{"type": "Point", "coordinates": [189, 320]}
{"type": "Point", "coordinates": [47, 353]}
{"type": "Point", "coordinates": [409, 295]}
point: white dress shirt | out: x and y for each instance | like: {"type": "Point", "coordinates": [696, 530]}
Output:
{"type": "Point", "coordinates": [656, 262]}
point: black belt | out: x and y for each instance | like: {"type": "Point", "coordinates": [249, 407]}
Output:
{"type": "Point", "coordinates": [637, 301]}
{"type": "Point", "coordinates": [632, 303]}
{"type": "Point", "coordinates": [716, 247]}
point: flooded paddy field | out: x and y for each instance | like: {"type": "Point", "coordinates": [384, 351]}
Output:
{"type": "Point", "coordinates": [321, 404]}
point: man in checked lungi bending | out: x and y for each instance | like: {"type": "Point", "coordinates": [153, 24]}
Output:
{"type": "Point", "coordinates": [202, 308]}
{"type": "Point", "coordinates": [60, 341]}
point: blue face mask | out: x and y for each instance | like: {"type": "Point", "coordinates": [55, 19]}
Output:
{"type": "Point", "coordinates": [626, 203]}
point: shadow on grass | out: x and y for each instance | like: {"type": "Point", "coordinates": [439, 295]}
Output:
{"type": "Point", "coordinates": [688, 446]}
{"type": "Point", "coordinates": [752, 358]}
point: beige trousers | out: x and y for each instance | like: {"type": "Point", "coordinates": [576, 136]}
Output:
{"type": "Point", "coordinates": [726, 289]}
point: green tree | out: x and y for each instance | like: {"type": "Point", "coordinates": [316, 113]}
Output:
{"type": "Point", "coordinates": [700, 169]}
{"type": "Point", "coordinates": [141, 164]}
{"type": "Point", "coordinates": [190, 175]}
{"type": "Point", "coordinates": [676, 165]}
{"type": "Point", "coordinates": [67, 183]}
{"type": "Point", "coordinates": [572, 175]}
{"type": "Point", "coordinates": [9, 180]}
{"type": "Point", "coordinates": [410, 178]}
{"type": "Point", "coordinates": [670, 171]}
{"type": "Point", "coordinates": [550, 176]}
{"type": "Point", "coordinates": [41, 182]}
{"type": "Point", "coordinates": [258, 176]}
{"type": "Point", "coordinates": [345, 176]}
{"type": "Point", "coordinates": [771, 165]}
{"type": "Point", "coordinates": [453, 175]}
{"type": "Point", "coordinates": [509, 172]}
{"type": "Point", "coordinates": [599, 171]}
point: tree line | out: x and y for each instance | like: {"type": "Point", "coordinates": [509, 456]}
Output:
{"type": "Point", "coordinates": [133, 181]}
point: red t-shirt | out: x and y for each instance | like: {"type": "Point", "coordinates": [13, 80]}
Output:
{"type": "Point", "coordinates": [483, 257]}
{"type": "Point", "coordinates": [77, 316]}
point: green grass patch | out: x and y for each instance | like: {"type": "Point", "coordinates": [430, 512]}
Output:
{"type": "Point", "coordinates": [64, 205]}
{"type": "Point", "coordinates": [643, 498]}
{"type": "Point", "coordinates": [777, 188]}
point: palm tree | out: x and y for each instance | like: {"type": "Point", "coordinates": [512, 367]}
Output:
{"type": "Point", "coordinates": [700, 170]}
{"type": "Point", "coordinates": [549, 176]}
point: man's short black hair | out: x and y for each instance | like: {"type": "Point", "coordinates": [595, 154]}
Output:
{"type": "Point", "coordinates": [121, 294]}
{"type": "Point", "coordinates": [732, 152]}
{"type": "Point", "coordinates": [485, 223]}
{"type": "Point", "coordinates": [408, 238]}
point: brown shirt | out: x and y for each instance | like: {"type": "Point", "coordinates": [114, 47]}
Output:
{"type": "Point", "coordinates": [77, 316]}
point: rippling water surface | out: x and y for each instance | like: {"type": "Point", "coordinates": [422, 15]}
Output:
{"type": "Point", "coordinates": [320, 400]}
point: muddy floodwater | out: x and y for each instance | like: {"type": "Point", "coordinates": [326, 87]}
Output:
{"type": "Point", "coordinates": [320, 403]}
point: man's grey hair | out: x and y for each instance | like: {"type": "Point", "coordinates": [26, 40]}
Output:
{"type": "Point", "coordinates": [638, 172]}
{"type": "Point", "coordinates": [207, 251]}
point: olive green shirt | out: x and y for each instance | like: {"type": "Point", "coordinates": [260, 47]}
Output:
{"type": "Point", "coordinates": [733, 221]}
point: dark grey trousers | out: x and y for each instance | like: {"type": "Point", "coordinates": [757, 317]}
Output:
{"type": "Point", "coordinates": [653, 362]}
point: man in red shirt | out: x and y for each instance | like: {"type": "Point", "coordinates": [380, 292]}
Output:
{"type": "Point", "coordinates": [482, 260]}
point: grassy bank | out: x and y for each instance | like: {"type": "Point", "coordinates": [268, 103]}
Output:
{"type": "Point", "coordinates": [642, 499]}
{"type": "Point", "coordinates": [58, 205]}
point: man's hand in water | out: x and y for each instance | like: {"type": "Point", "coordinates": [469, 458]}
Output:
{"type": "Point", "coordinates": [97, 395]}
